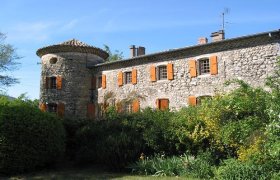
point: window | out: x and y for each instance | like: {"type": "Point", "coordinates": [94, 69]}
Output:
{"type": "Point", "coordinates": [128, 77]}
{"type": "Point", "coordinates": [53, 60]}
{"type": "Point", "coordinates": [162, 104]}
{"type": "Point", "coordinates": [203, 66]}
{"type": "Point", "coordinates": [128, 108]}
{"type": "Point", "coordinates": [99, 83]}
{"type": "Point", "coordinates": [53, 83]}
{"type": "Point", "coordinates": [52, 108]}
{"type": "Point", "coordinates": [162, 72]}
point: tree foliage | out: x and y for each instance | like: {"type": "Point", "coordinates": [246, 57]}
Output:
{"type": "Point", "coordinates": [8, 63]}
{"type": "Point", "coordinates": [113, 56]}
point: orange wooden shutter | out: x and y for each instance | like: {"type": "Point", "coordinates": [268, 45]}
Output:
{"type": "Point", "coordinates": [43, 107]}
{"type": "Point", "coordinates": [153, 73]}
{"type": "Point", "coordinates": [192, 68]}
{"type": "Point", "coordinates": [60, 109]}
{"type": "Point", "coordinates": [170, 71]}
{"type": "Point", "coordinates": [103, 81]}
{"type": "Point", "coordinates": [213, 65]}
{"type": "Point", "coordinates": [120, 78]}
{"type": "Point", "coordinates": [58, 82]}
{"type": "Point", "coordinates": [192, 101]}
{"type": "Point", "coordinates": [134, 76]}
{"type": "Point", "coordinates": [135, 105]}
{"type": "Point", "coordinates": [93, 82]}
{"type": "Point", "coordinates": [164, 104]}
{"type": "Point", "coordinates": [90, 111]}
{"type": "Point", "coordinates": [46, 82]}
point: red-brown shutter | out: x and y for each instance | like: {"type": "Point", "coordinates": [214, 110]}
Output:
{"type": "Point", "coordinates": [134, 76]}
{"type": "Point", "coordinates": [192, 101]}
{"type": "Point", "coordinates": [213, 65]}
{"type": "Point", "coordinates": [104, 81]}
{"type": "Point", "coordinates": [93, 83]}
{"type": "Point", "coordinates": [192, 68]}
{"type": "Point", "coordinates": [170, 72]}
{"type": "Point", "coordinates": [60, 109]}
{"type": "Point", "coordinates": [135, 105]}
{"type": "Point", "coordinates": [90, 111]}
{"type": "Point", "coordinates": [153, 76]}
{"type": "Point", "coordinates": [46, 82]}
{"type": "Point", "coordinates": [163, 104]}
{"type": "Point", "coordinates": [120, 78]}
{"type": "Point", "coordinates": [43, 107]}
{"type": "Point", "coordinates": [59, 82]}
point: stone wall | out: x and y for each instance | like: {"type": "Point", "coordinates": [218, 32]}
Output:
{"type": "Point", "coordinates": [251, 64]}
{"type": "Point", "coordinates": [76, 81]}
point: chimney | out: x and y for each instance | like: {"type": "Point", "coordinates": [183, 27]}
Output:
{"type": "Point", "coordinates": [202, 40]}
{"type": "Point", "coordinates": [132, 51]}
{"type": "Point", "coordinates": [140, 51]}
{"type": "Point", "coordinates": [218, 36]}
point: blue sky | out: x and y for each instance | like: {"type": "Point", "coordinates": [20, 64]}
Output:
{"type": "Point", "coordinates": [156, 24]}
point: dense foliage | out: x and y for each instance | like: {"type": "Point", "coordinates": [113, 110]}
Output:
{"type": "Point", "coordinates": [29, 139]}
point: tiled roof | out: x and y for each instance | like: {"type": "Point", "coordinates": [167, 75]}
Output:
{"type": "Point", "coordinates": [190, 51]}
{"type": "Point", "coordinates": [75, 42]}
{"type": "Point", "coordinates": [72, 45]}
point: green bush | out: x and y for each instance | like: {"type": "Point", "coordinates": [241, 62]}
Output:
{"type": "Point", "coordinates": [29, 138]}
{"type": "Point", "coordinates": [202, 166]}
{"type": "Point", "coordinates": [234, 169]}
{"type": "Point", "coordinates": [113, 143]}
{"type": "Point", "coordinates": [160, 165]}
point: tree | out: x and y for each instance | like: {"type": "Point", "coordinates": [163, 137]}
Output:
{"type": "Point", "coordinates": [116, 56]}
{"type": "Point", "coordinates": [8, 57]}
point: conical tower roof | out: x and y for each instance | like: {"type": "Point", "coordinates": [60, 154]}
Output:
{"type": "Point", "coordinates": [72, 45]}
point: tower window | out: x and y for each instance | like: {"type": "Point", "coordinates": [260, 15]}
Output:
{"type": "Point", "coordinates": [53, 60]}
{"type": "Point", "coordinates": [203, 66]}
{"type": "Point", "coordinates": [53, 83]}
{"type": "Point", "coordinates": [162, 72]}
{"type": "Point", "coordinates": [52, 108]}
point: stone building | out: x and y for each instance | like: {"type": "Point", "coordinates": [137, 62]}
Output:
{"type": "Point", "coordinates": [77, 82]}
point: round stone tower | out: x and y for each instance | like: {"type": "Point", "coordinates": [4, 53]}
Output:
{"type": "Point", "coordinates": [66, 77]}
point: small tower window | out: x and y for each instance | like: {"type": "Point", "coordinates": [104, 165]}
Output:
{"type": "Point", "coordinates": [52, 108]}
{"type": "Point", "coordinates": [53, 60]}
{"type": "Point", "coordinates": [53, 83]}
{"type": "Point", "coordinates": [128, 108]}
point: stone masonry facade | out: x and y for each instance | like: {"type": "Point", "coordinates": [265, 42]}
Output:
{"type": "Point", "coordinates": [171, 79]}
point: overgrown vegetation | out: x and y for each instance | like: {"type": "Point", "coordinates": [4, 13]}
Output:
{"type": "Point", "coordinates": [29, 139]}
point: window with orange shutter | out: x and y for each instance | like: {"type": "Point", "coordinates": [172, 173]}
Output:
{"type": "Point", "coordinates": [163, 104]}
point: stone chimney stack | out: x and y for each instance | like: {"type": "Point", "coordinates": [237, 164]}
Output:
{"type": "Point", "coordinates": [132, 51]}
{"type": "Point", "coordinates": [140, 51]}
{"type": "Point", "coordinates": [218, 36]}
{"type": "Point", "coordinates": [202, 40]}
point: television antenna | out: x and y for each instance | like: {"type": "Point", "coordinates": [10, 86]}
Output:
{"type": "Point", "coordinates": [225, 11]}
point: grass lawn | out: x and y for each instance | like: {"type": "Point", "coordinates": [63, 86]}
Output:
{"type": "Point", "coordinates": [83, 174]}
